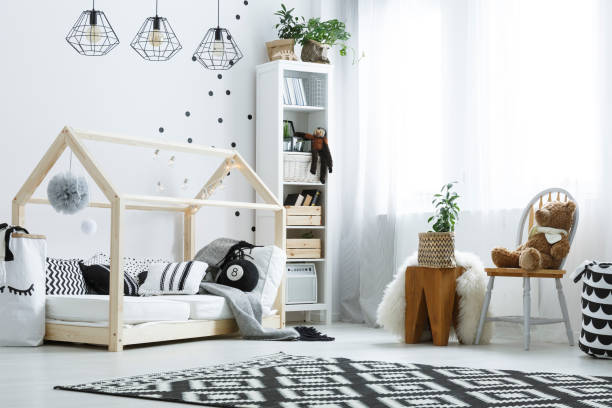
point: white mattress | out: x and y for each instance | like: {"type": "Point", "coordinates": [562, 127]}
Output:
{"type": "Point", "coordinates": [94, 308]}
{"type": "Point", "coordinates": [204, 307]}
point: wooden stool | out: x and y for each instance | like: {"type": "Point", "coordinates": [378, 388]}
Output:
{"type": "Point", "coordinates": [430, 292]}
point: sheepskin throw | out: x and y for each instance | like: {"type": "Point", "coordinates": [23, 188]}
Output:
{"type": "Point", "coordinates": [471, 288]}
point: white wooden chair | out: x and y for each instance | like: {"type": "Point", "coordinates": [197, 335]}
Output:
{"type": "Point", "coordinates": [526, 320]}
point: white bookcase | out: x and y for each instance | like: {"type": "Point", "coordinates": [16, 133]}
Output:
{"type": "Point", "coordinates": [270, 113]}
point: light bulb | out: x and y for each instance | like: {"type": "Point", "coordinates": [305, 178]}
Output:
{"type": "Point", "coordinates": [94, 34]}
{"type": "Point", "coordinates": [171, 161]}
{"type": "Point", "coordinates": [218, 48]}
{"type": "Point", "coordinates": [156, 38]}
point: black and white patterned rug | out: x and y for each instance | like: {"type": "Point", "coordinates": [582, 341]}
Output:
{"type": "Point", "coordinates": [288, 381]}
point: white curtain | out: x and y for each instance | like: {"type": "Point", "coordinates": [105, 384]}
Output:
{"type": "Point", "coordinates": [507, 97]}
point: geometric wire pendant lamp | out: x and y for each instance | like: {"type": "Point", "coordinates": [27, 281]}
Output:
{"type": "Point", "coordinates": [218, 50]}
{"type": "Point", "coordinates": [92, 33]}
{"type": "Point", "coordinates": [156, 41]}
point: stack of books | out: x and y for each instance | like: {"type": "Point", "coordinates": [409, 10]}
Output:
{"type": "Point", "coordinates": [304, 199]}
{"type": "Point", "coordinates": [293, 92]}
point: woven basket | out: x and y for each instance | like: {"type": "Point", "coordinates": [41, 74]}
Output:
{"type": "Point", "coordinates": [297, 168]}
{"type": "Point", "coordinates": [437, 249]}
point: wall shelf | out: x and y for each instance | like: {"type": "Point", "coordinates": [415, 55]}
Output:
{"type": "Point", "coordinates": [296, 183]}
{"type": "Point", "coordinates": [305, 259]}
{"type": "Point", "coordinates": [300, 108]}
{"type": "Point", "coordinates": [270, 113]}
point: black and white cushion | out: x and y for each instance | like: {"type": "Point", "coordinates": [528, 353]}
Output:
{"type": "Point", "coordinates": [64, 277]}
{"type": "Point", "coordinates": [131, 266]}
{"type": "Point", "coordinates": [596, 335]}
{"type": "Point", "coordinates": [175, 278]}
{"type": "Point", "coordinates": [98, 277]}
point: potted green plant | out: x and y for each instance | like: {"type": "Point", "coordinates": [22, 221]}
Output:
{"type": "Point", "coordinates": [318, 36]}
{"type": "Point", "coordinates": [290, 29]}
{"type": "Point", "coordinates": [437, 247]}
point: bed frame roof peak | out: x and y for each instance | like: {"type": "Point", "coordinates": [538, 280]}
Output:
{"type": "Point", "coordinates": [73, 139]}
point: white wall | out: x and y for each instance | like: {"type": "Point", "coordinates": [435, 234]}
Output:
{"type": "Point", "coordinates": [45, 85]}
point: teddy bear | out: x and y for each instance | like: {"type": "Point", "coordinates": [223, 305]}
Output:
{"type": "Point", "coordinates": [547, 243]}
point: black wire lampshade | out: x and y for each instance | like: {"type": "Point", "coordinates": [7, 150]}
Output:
{"type": "Point", "coordinates": [156, 41]}
{"type": "Point", "coordinates": [92, 34]}
{"type": "Point", "coordinates": [218, 50]}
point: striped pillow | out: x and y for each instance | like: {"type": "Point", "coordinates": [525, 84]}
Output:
{"type": "Point", "coordinates": [177, 278]}
{"type": "Point", "coordinates": [64, 277]}
{"type": "Point", "coordinates": [98, 277]}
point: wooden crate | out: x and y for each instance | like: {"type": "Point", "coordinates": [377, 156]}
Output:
{"type": "Point", "coordinates": [303, 215]}
{"type": "Point", "coordinates": [303, 220]}
{"type": "Point", "coordinates": [303, 210]}
{"type": "Point", "coordinates": [303, 248]}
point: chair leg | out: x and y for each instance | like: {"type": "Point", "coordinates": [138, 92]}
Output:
{"type": "Point", "coordinates": [568, 327]}
{"type": "Point", "coordinates": [526, 311]}
{"type": "Point", "coordinates": [485, 307]}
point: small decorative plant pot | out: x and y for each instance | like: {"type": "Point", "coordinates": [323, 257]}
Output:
{"type": "Point", "coordinates": [437, 249]}
{"type": "Point", "coordinates": [281, 50]}
{"type": "Point", "coordinates": [314, 51]}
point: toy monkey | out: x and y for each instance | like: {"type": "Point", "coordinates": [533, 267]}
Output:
{"type": "Point", "coordinates": [320, 148]}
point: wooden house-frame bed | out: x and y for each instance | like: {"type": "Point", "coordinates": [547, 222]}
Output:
{"type": "Point", "coordinates": [115, 336]}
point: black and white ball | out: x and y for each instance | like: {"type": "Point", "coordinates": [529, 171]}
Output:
{"type": "Point", "coordinates": [240, 274]}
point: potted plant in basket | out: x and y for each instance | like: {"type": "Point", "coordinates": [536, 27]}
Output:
{"type": "Point", "coordinates": [437, 247]}
{"type": "Point", "coordinates": [290, 29]}
{"type": "Point", "coordinates": [318, 36]}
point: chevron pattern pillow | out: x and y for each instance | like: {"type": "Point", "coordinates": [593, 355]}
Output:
{"type": "Point", "coordinates": [64, 277]}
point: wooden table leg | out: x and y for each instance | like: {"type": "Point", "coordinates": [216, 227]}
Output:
{"type": "Point", "coordinates": [440, 295]}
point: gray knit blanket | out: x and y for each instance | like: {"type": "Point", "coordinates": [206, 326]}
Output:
{"type": "Point", "coordinates": [245, 306]}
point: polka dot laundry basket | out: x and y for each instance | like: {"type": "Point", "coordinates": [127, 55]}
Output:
{"type": "Point", "coordinates": [596, 335]}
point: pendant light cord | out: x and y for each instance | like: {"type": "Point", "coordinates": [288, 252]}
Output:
{"type": "Point", "coordinates": [217, 13]}
{"type": "Point", "coordinates": [93, 4]}
{"type": "Point", "coordinates": [156, 8]}
{"type": "Point", "coordinates": [70, 165]}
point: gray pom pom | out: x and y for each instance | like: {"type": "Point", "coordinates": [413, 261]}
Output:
{"type": "Point", "coordinates": [68, 193]}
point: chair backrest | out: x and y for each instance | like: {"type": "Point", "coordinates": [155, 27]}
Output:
{"type": "Point", "coordinates": [550, 194]}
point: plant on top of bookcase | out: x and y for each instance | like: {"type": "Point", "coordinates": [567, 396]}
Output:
{"type": "Point", "coordinates": [290, 29]}
{"type": "Point", "coordinates": [318, 36]}
{"type": "Point", "coordinates": [437, 247]}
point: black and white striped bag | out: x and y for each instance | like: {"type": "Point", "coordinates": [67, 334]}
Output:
{"type": "Point", "coordinates": [177, 278]}
{"type": "Point", "coordinates": [596, 335]}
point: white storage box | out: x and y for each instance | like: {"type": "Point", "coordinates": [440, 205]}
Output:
{"type": "Point", "coordinates": [297, 168]}
{"type": "Point", "coordinates": [301, 283]}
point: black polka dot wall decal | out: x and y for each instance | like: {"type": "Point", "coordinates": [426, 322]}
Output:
{"type": "Point", "coordinates": [253, 228]}
{"type": "Point", "coordinates": [210, 93]}
{"type": "Point", "coordinates": [250, 116]}
{"type": "Point", "coordinates": [194, 58]}
{"type": "Point", "coordinates": [233, 144]}
{"type": "Point", "coordinates": [227, 92]}
{"type": "Point", "coordinates": [228, 173]}
{"type": "Point", "coordinates": [161, 130]}
{"type": "Point", "coordinates": [190, 140]}
{"type": "Point", "coordinates": [237, 213]}
{"type": "Point", "coordinates": [219, 76]}
{"type": "Point", "coordinates": [229, 36]}
{"type": "Point", "coordinates": [237, 16]}
{"type": "Point", "coordinates": [231, 62]}
{"type": "Point", "coordinates": [187, 113]}
{"type": "Point", "coordinates": [246, 3]}
{"type": "Point", "coordinates": [220, 120]}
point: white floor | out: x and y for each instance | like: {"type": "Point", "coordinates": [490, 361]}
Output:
{"type": "Point", "coordinates": [27, 375]}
